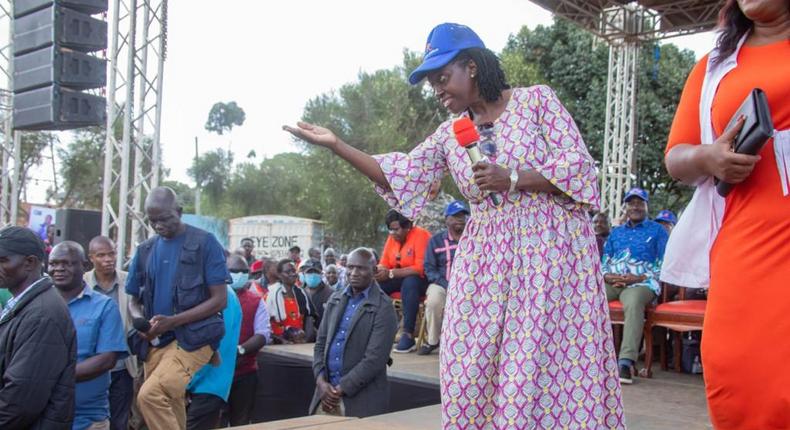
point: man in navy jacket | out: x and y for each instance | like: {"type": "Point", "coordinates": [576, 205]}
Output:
{"type": "Point", "coordinates": [438, 262]}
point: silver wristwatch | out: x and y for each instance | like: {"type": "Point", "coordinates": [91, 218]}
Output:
{"type": "Point", "coordinates": [513, 180]}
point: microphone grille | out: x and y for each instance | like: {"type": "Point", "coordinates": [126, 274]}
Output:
{"type": "Point", "coordinates": [465, 131]}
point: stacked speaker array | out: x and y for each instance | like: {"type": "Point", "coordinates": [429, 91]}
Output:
{"type": "Point", "coordinates": [54, 63]}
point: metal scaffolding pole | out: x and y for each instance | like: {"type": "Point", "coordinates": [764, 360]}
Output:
{"type": "Point", "coordinates": [10, 142]}
{"type": "Point", "coordinates": [138, 43]}
{"type": "Point", "coordinates": [621, 108]}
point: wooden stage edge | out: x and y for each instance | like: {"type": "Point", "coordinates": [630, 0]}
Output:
{"type": "Point", "coordinates": [669, 400]}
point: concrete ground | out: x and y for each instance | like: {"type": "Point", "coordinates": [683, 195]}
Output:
{"type": "Point", "coordinates": [669, 400]}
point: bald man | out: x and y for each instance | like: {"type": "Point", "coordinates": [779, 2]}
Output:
{"type": "Point", "coordinates": [353, 346]}
{"type": "Point", "coordinates": [101, 339]}
{"type": "Point", "coordinates": [177, 281]}
{"type": "Point", "coordinates": [106, 279]}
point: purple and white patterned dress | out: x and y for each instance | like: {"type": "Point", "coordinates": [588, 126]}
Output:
{"type": "Point", "coordinates": [526, 339]}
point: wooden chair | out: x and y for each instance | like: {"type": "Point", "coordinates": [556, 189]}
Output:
{"type": "Point", "coordinates": [420, 323]}
{"type": "Point", "coordinates": [617, 318]}
{"type": "Point", "coordinates": [679, 316]}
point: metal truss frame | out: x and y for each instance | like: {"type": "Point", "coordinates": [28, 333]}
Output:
{"type": "Point", "coordinates": [10, 142]}
{"type": "Point", "coordinates": [132, 166]}
{"type": "Point", "coordinates": [625, 25]}
{"type": "Point", "coordinates": [620, 126]}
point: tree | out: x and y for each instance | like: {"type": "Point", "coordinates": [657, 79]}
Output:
{"type": "Point", "coordinates": [567, 58]}
{"type": "Point", "coordinates": [211, 172]}
{"type": "Point", "coordinates": [224, 116]}
{"type": "Point", "coordinates": [32, 146]}
{"type": "Point", "coordinates": [82, 170]}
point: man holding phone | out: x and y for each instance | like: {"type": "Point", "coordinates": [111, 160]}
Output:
{"type": "Point", "coordinates": [631, 265]}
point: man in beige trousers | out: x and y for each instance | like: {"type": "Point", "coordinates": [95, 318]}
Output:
{"type": "Point", "coordinates": [438, 264]}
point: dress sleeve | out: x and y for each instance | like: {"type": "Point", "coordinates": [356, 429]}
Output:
{"type": "Point", "coordinates": [568, 166]}
{"type": "Point", "coordinates": [685, 126]}
{"type": "Point", "coordinates": [410, 175]}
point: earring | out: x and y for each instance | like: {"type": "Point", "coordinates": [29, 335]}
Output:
{"type": "Point", "coordinates": [472, 76]}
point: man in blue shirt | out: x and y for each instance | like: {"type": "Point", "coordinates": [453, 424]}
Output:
{"type": "Point", "coordinates": [177, 281]}
{"type": "Point", "coordinates": [210, 386]}
{"type": "Point", "coordinates": [353, 345]}
{"type": "Point", "coordinates": [101, 340]}
{"type": "Point", "coordinates": [438, 262]}
{"type": "Point", "coordinates": [631, 265]}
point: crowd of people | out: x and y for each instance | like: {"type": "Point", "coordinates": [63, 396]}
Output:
{"type": "Point", "coordinates": [173, 342]}
{"type": "Point", "coordinates": [514, 292]}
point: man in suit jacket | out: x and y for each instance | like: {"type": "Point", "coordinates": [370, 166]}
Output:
{"type": "Point", "coordinates": [353, 345]}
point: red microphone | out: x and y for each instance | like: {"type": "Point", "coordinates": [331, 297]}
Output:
{"type": "Point", "coordinates": [467, 136]}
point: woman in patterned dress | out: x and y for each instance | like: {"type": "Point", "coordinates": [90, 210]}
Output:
{"type": "Point", "coordinates": [526, 341]}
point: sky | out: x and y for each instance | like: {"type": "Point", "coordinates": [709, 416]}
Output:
{"type": "Point", "coordinates": [273, 57]}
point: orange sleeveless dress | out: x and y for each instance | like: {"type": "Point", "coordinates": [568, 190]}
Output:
{"type": "Point", "coordinates": [746, 336]}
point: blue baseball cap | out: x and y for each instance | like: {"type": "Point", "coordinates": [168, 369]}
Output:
{"type": "Point", "coordinates": [455, 207]}
{"type": "Point", "coordinates": [667, 216]}
{"type": "Point", "coordinates": [635, 192]}
{"type": "Point", "coordinates": [444, 43]}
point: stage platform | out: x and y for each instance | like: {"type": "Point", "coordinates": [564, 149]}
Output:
{"type": "Point", "coordinates": [668, 400]}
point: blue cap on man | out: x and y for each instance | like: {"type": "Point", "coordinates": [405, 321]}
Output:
{"type": "Point", "coordinates": [666, 215]}
{"type": "Point", "coordinates": [444, 43]}
{"type": "Point", "coordinates": [456, 207]}
{"type": "Point", "coordinates": [635, 192]}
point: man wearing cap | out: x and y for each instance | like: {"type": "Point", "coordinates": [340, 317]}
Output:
{"type": "Point", "coordinates": [317, 290]}
{"type": "Point", "coordinates": [39, 343]}
{"type": "Point", "coordinates": [438, 262]}
{"type": "Point", "coordinates": [631, 265]}
{"type": "Point", "coordinates": [667, 219]}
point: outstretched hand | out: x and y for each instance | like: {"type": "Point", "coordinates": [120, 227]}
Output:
{"type": "Point", "coordinates": [313, 134]}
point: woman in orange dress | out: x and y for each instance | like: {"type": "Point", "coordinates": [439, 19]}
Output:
{"type": "Point", "coordinates": [745, 343]}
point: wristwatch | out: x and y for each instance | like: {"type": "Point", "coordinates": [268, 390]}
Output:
{"type": "Point", "coordinates": [391, 274]}
{"type": "Point", "coordinates": [513, 180]}
{"type": "Point", "coordinates": [241, 350]}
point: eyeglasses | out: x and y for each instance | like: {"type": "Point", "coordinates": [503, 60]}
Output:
{"type": "Point", "coordinates": [238, 271]}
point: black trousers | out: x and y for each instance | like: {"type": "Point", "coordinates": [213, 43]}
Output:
{"type": "Point", "coordinates": [121, 398]}
{"type": "Point", "coordinates": [203, 412]}
{"type": "Point", "coordinates": [242, 399]}
{"type": "Point", "coordinates": [411, 289]}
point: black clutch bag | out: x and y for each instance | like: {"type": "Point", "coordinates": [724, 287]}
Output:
{"type": "Point", "coordinates": [757, 129]}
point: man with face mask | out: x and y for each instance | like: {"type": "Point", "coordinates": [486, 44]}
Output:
{"type": "Point", "coordinates": [210, 387]}
{"type": "Point", "coordinates": [317, 290]}
{"type": "Point", "coordinates": [631, 265]}
{"type": "Point", "coordinates": [256, 332]}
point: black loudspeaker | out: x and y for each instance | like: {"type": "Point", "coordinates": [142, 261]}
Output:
{"type": "Point", "coordinates": [56, 108]}
{"type": "Point", "coordinates": [77, 225]}
{"type": "Point", "coordinates": [52, 62]}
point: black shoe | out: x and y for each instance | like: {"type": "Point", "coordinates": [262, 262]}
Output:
{"type": "Point", "coordinates": [625, 375]}
{"type": "Point", "coordinates": [427, 348]}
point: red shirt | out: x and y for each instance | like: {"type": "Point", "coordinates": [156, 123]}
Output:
{"type": "Point", "coordinates": [292, 317]}
{"type": "Point", "coordinates": [410, 254]}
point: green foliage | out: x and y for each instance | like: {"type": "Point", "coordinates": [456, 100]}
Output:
{"type": "Point", "coordinates": [185, 193]}
{"type": "Point", "coordinates": [569, 60]}
{"type": "Point", "coordinates": [82, 170]}
{"type": "Point", "coordinates": [380, 112]}
{"type": "Point", "coordinates": [211, 172]}
{"type": "Point", "coordinates": [224, 116]}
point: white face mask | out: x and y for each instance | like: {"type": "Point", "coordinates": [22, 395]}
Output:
{"type": "Point", "coordinates": [239, 280]}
